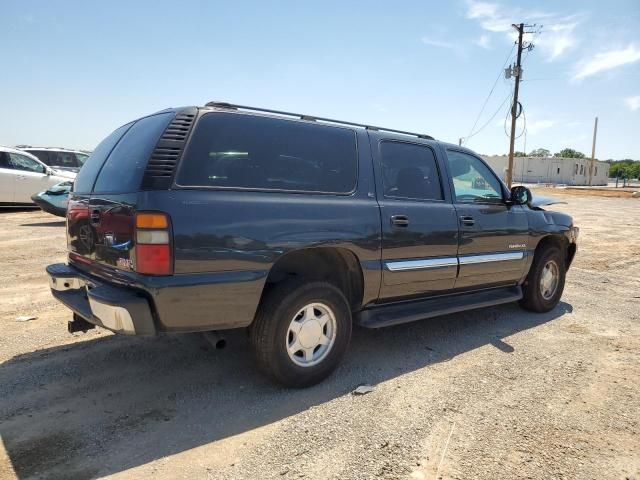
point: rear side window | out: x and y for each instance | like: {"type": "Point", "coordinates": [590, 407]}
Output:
{"type": "Point", "coordinates": [409, 171]}
{"type": "Point", "coordinates": [243, 151]}
{"type": "Point", "coordinates": [88, 173]}
{"type": "Point", "coordinates": [123, 170]}
{"type": "Point", "coordinates": [42, 155]}
{"type": "Point", "coordinates": [82, 158]}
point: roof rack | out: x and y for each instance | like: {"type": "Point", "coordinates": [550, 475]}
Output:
{"type": "Point", "coordinates": [231, 106]}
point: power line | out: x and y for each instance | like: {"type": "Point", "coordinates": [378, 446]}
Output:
{"type": "Point", "coordinates": [471, 133]}
{"type": "Point", "coordinates": [490, 119]}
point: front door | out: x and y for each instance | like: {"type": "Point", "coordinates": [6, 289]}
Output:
{"type": "Point", "coordinates": [419, 223]}
{"type": "Point", "coordinates": [30, 177]}
{"type": "Point", "coordinates": [493, 235]}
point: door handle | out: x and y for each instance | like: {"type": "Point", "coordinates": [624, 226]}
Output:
{"type": "Point", "coordinates": [467, 220]}
{"type": "Point", "coordinates": [400, 220]}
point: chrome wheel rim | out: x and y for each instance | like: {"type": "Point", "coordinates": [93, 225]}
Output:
{"type": "Point", "coordinates": [549, 279]}
{"type": "Point", "coordinates": [311, 334]}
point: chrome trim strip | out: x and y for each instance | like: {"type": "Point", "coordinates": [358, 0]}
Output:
{"type": "Point", "coordinates": [424, 263]}
{"type": "Point", "coordinates": [421, 264]}
{"type": "Point", "coordinates": [491, 257]}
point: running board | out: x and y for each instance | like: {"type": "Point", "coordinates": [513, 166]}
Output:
{"type": "Point", "coordinates": [396, 313]}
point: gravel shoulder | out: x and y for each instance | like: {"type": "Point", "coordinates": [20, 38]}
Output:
{"type": "Point", "coordinates": [493, 393]}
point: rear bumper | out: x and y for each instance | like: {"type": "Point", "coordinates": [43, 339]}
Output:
{"type": "Point", "coordinates": [117, 309]}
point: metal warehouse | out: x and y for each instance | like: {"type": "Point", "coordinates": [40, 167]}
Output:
{"type": "Point", "coordinates": [567, 171]}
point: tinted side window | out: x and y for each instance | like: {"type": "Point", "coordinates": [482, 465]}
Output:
{"type": "Point", "coordinates": [63, 159]}
{"type": "Point", "coordinates": [123, 170]}
{"type": "Point", "coordinates": [81, 158]}
{"type": "Point", "coordinates": [42, 155]}
{"type": "Point", "coordinates": [409, 171]}
{"type": "Point", "coordinates": [243, 151]}
{"type": "Point", "coordinates": [473, 181]}
{"type": "Point", "coordinates": [88, 173]}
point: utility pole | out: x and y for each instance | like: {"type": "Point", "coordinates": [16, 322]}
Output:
{"type": "Point", "coordinates": [514, 107]}
{"type": "Point", "coordinates": [460, 141]}
{"type": "Point", "coordinates": [593, 151]}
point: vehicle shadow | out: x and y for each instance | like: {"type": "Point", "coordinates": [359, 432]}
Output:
{"type": "Point", "coordinates": [108, 404]}
{"type": "Point", "coordinates": [58, 223]}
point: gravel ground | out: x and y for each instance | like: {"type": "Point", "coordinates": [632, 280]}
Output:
{"type": "Point", "coordinates": [494, 393]}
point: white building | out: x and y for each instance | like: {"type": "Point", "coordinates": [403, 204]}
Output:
{"type": "Point", "coordinates": [567, 171]}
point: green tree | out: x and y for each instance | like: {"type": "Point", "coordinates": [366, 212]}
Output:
{"type": "Point", "coordinates": [624, 168]}
{"type": "Point", "coordinates": [519, 154]}
{"type": "Point", "coordinates": [569, 153]}
{"type": "Point", "coordinates": [540, 152]}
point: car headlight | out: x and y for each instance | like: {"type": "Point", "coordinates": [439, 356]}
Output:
{"type": "Point", "coordinates": [575, 231]}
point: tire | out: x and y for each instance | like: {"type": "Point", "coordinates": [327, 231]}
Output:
{"type": "Point", "coordinates": [539, 295]}
{"type": "Point", "coordinates": [291, 314]}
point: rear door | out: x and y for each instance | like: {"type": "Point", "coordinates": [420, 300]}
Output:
{"type": "Point", "coordinates": [7, 179]}
{"type": "Point", "coordinates": [493, 235]}
{"type": "Point", "coordinates": [114, 199]}
{"type": "Point", "coordinates": [419, 223]}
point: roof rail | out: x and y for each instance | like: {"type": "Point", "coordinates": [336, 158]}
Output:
{"type": "Point", "coordinates": [231, 106]}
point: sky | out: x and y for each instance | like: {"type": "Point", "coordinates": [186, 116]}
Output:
{"type": "Point", "coordinates": [73, 71]}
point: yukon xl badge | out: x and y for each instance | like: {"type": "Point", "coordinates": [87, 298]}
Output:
{"type": "Point", "coordinates": [518, 245]}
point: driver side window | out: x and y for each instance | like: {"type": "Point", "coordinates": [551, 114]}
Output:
{"type": "Point", "coordinates": [20, 162]}
{"type": "Point", "coordinates": [473, 181]}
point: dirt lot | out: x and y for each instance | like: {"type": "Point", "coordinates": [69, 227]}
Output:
{"type": "Point", "coordinates": [496, 393]}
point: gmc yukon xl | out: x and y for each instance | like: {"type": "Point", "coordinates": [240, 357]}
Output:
{"type": "Point", "coordinates": [295, 227]}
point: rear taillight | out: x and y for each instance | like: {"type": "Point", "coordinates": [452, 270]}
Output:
{"type": "Point", "coordinates": [153, 244]}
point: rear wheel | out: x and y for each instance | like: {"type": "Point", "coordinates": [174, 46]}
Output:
{"type": "Point", "coordinates": [301, 332]}
{"type": "Point", "coordinates": [545, 283]}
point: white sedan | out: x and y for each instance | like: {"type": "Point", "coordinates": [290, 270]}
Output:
{"type": "Point", "coordinates": [22, 175]}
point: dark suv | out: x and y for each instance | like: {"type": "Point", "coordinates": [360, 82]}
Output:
{"type": "Point", "coordinates": [294, 227]}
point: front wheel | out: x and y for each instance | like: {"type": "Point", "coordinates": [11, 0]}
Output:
{"type": "Point", "coordinates": [301, 332]}
{"type": "Point", "coordinates": [545, 282]}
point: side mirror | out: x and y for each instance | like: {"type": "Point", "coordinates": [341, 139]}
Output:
{"type": "Point", "coordinates": [520, 195]}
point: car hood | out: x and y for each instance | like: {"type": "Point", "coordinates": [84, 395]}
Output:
{"type": "Point", "coordinates": [64, 173]}
{"type": "Point", "coordinates": [538, 202]}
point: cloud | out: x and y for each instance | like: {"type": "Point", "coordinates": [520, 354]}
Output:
{"type": "Point", "coordinates": [556, 39]}
{"type": "Point", "coordinates": [608, 60]}
{"type": "Point", "coordinates": [633, 103]}
{"type": "Point", "coordinates": [490, 16]}
{"type": "Point", "coordinates": [484, 41]}
{"type": "Point", "coordinates": [536, 126]}
{"type": "Point", "coordinates": [438, 43]}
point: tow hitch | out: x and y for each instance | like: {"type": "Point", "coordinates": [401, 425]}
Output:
{"type": "Point", "coordinates": [79, 324]}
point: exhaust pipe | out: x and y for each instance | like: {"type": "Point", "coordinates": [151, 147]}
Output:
{"type": "Point", "coordinates": [216, 340]}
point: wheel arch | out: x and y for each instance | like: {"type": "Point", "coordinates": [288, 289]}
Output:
{"type": "Point", "coordinates": [336, 265]}
{"type": "Point", "coordinates": [559, 241]}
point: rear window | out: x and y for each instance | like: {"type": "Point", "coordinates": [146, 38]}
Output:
{"type": "Point", "coordinates": [88, 173]}
{"type": "Point", "coordinates": [123, 170]}
{"type": "Point", "coordinates": [243, 151]}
